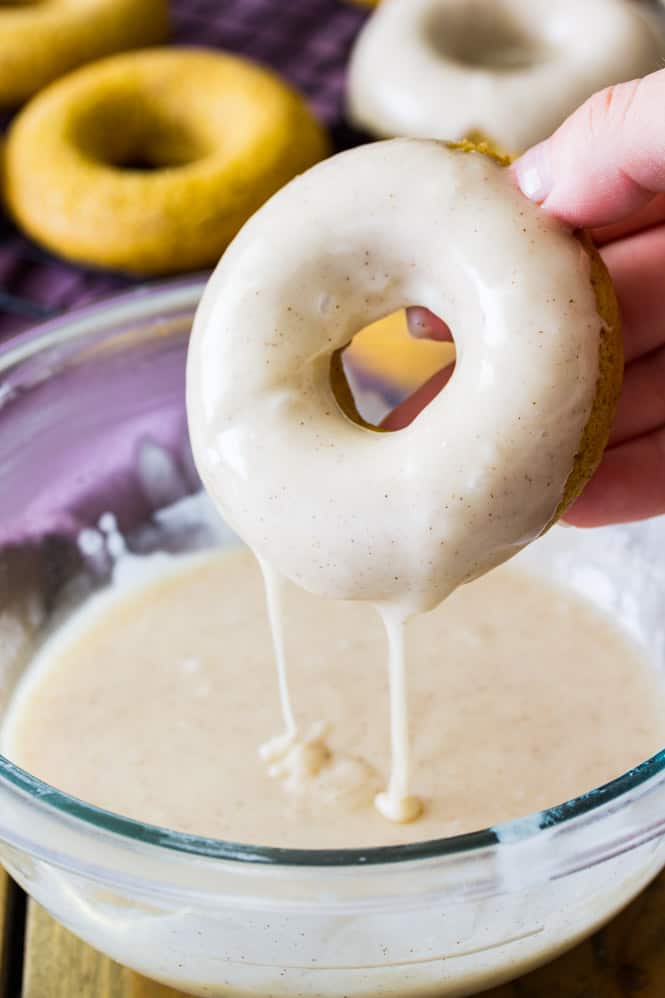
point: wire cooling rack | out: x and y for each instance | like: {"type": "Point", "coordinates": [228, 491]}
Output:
{"type": "Point", "coordinates": [307, 41]}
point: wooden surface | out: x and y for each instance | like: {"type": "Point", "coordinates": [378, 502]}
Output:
{"type": "Point", "coordinates": [4, 931]}
{"type": "Point", "coordinates": [625, 960]}
{"type": "Point", "coordinates": [57, 965]}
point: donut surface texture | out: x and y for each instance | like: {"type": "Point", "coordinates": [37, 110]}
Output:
{"type": "Point", "coordinates": [352, 513]}
{"type": "Point", "coordinates": [509, 70]}
{"type": "Point", "coordinates": [150, 162]}
{"type": "Point", "coordinates": [40, 42]}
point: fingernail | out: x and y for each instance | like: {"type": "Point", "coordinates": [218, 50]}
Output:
{"type": "Point", "coordinates": [533, 172]}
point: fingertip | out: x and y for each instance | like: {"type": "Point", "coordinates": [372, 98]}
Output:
{"type": "Point", "coordinates": [533, 173]}
{"type": "Point", "coordinates": [606, 161]}
{"type": "Point", "coordinates": [425, 325]}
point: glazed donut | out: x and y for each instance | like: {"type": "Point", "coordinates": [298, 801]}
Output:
{"type": "Point", "coordinates": [218, 134]}
{"type": "Point", "coordinates": [509, 70]}
{"type": "Point", "coordinates": [351, 513]}
{"type": "Point", "coordinates": [41, 41]}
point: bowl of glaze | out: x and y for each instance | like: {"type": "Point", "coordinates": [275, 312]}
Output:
{"type": "Point", "coordinates": [92, 420]}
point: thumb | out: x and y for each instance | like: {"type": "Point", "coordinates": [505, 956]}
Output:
{"type": "Point", "coordinates": [606, 161]}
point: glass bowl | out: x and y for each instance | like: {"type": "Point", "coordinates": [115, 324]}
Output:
{"type": "Point", "coordinates": [92, 420]}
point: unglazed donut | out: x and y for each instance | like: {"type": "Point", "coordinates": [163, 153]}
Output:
{"type": "Point", "coordinates": [509, 70]}
{"type": "Point", "coordinates": [351, 513]}
{"type": "Point", "coordinates": [41, 41]}
{"type": "Point", "coordinates": [218, 134]}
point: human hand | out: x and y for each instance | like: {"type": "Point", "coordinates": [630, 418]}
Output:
{"type": "Point", "coordinates": [604, 169]}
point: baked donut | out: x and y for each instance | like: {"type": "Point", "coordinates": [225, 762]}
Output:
{"type": "Point", "coordinates": [509, 70]}
{"type": "Point", "coordinates": [41, 41]}
{"type": "Point", "coordinates": [407, 516]}
{"type": "Point", "coordinates": [150, 162]}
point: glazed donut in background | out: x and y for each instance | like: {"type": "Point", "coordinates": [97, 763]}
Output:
{"type": "Point", "coordinates": [150, 162]}
{"type": "Point", "coordinates": [508, 70]}
{"type": "Point", "coordinates": [348, 512]}
{"type": "Point", "coordinates": [41, 41]}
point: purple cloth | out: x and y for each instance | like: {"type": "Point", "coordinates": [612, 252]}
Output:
{"type": "Point", "coordinates": [76, 443]}
{"type": "Point", "coordinates": [307, 41]}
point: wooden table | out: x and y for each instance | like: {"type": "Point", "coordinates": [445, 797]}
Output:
{"type": "Point", "coordinates": [40, 959]}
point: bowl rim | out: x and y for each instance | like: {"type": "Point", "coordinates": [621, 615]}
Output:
{"type": "Point", "coordinates": [147, 302]}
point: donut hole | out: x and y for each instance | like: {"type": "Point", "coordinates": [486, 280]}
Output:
{"type": "Point", "coordinates": [385, 376]}
{"type": "Point", "coordinates": [127, 133]}
{"type": "Point", "coordinates": [484, 34]}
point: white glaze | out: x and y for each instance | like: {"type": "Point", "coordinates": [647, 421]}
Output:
{"type": "Point", "coordinates": [397, 803]}
{"type": "Point", "coordinates": [511, 69]}
{"type": "Point", "coordinates": [400, 518]}
{"type": "Point", "coordinates": [521, 696]}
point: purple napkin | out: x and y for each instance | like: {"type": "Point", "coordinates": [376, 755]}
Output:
{"type": "Point", "coordinates": [307, 41]}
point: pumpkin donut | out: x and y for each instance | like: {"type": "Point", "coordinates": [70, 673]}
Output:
{"type": "Point", "coordinates": [41, 41]}
{"type": "Point", "coordinates": [351, 513]}
{"type": "Point", "coordinates": [150, 162]}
